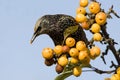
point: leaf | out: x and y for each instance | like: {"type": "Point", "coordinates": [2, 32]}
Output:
{"type": "Point", "coordinates": [70, 30]}
{"type": "Point", "coordinates": [64, 75]}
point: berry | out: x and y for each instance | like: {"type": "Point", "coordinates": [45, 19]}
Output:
{"type": "Point", "coordinates": [49, 62]}
{"type": "Point", "coordinates": [97, 37]}
{"type": "Point", "coordinates": [63, 61]}
{"type": "Point", "coordinates": [73, 52]}
{"type": "Point", "coordinates": [94, 52]}
{"type": "Point", "coordinates": [65, 49]}
{"type": "Point", "coordinates": [83, 3]}
{"type": "Point", "coordinates": [70, 41]}
{"type": "Point", "coordinates": [58, 49]}
{"type": "Point", "coordinates": [94, 7]}
{"type": "Point", "coordinates": [47, 53]}
{"type": "Point", "coordinates": [80, 45]}
{"type": "Point", "coordinates": [118, 70]}
{"type": "Point", "coordinates": [85, 25]}
{"type": "Point", "coordinates": [115, 77]}
{"type": "Point", "coordinates": [74, 60]}
{"type": "Point", "coordinates": [95, 28]}
{"type": "Point", "coordinates": [101, 18]}
{"type": "Point", "coordinates": [80, 10]}
{"type": "Point", "coordinates": [81, 18]}
{"type": "Point", "coordinates": [77, 71]}
{"type": "Point", "coordinates": [59, 68]}
{"type": "Point", "coordinates": [83, 57]}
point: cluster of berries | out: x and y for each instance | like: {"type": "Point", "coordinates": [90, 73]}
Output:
{"type": "Point", "coordinates": [72, 53]}
{"type": "Point", "coordinates": [93, 20]}
{"type": "Point", "coordinates": [77, 53]}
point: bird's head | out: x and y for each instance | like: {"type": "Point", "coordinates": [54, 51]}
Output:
{"type": "Point", "coordinates": [41, 27]}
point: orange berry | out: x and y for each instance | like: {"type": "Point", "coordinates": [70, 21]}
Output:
{"type": "Point", "coordinates": [63, 61]}
{"type": "Point", "coordinates": [94, 52]}
{"type": "Point", "coordinates": [97, 37]}
{"type": "Point", "coordinates": [70, 41]}
{"type": "Point", "coordinates": [47, 53]}
{"type": "Point", "coordinates": [58, 49]}
{"type": "Point", "coordinates": [101, 18]}
{"type": "Point", "coordinates": [77, 71]}
{"type": "Point", "coordinates": [83, 3]}
{"type": "Point", "coordinates": [80, 45]}
{"type": "Point", "coordinates": [80, 18]}
{"type": "Point", "coordinates": [85, 25]}
{"type": "Point", "coordinates": [73, 52]}
{"type": "Point", "coordinates": [65, 49]}
{"type": "Point", "coordinates": [95, 28]}
{"type": "Point", "coordinates": [94, 7]}
{"type": "Point", "coordinates": [80, 10]}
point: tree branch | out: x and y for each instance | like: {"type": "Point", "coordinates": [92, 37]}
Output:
{"type": "Point", "coordinates": [110, 43]}
{"type": "Point", "coordinates": [101, 71]}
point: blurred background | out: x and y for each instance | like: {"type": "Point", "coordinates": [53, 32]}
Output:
{"type": "Point", "coordinates": [19, 60]}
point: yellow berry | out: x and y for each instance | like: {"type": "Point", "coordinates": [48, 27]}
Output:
{"type": "Point", "coordinates": [70, 41]}
{"type": "Point", "coordinates": [80, 10]}
{"type": "Point", "coordinates": [80, 45]}
{"type": "Point", "coordinates": [83, 3]}
{"type": "Point", "coordinates": [118, 70]}
{"type": "Point", "coordinates": [83, 55]}
{"type": "Point", "coordinates": [77, 71]}
{"type": "Point", "coordinates": [80, 18]}
{"type": "Point", "coordinates": [115, 77]}
{"type": "Point", "coordinates": [94, 52]}
{"type": "Point", "coordinates": [74, 60]}
{"type": "Point", "coordinates": [94, 7]}
{"type": "Point", "coordinates": [97, 37]}
{"type": "Point", "coordinates": [63, 61]}
{"type": "Point", "coordinates": [58, 49]}
{"type": "Point", "coordinates": [73, 52]}
{"type": "Point", "coordinates": [95, 28]}
{"type": "Point", "coordinates": [101, 18]}
{"type": "Point", "coordinates": [47, 53]}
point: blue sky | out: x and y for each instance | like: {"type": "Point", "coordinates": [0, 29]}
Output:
{"type": "Point", "coordinates": [19, 60]}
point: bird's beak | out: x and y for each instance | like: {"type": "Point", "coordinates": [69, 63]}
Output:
{"type": "Point", "coordinates": [33, 38]}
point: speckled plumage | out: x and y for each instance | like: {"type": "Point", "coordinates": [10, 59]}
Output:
{"type": "Point", "coordinates": [54, 26]}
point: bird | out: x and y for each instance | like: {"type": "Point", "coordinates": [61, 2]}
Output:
{"type": "Point", "coordinates": [55, 25]}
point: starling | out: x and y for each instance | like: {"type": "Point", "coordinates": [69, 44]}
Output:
{"type": "Point", "coordinates": [55, 25]}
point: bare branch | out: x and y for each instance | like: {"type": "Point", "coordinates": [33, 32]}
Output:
{"type": "Point", "coordinates": [110, 43]}
{"type": "Point", "coordinates": [101, 71]}
{"type": "Point", "coordinates": [112, 11]}
{"type": "Point", "coordinates": [113, 65]}
{"type": "Point", "coordinates": [105, 53]}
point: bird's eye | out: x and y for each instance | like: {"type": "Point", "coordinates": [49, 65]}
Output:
{"type": "Point", "coordinates": [39, 28]}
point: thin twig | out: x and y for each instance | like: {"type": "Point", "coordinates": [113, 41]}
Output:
{"type": "Point", "coordinates": [105, 53]}
{"type": "Point", "coordinates": [101, 71]}
{"type": "Point", "coordinates": [112, 11]}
